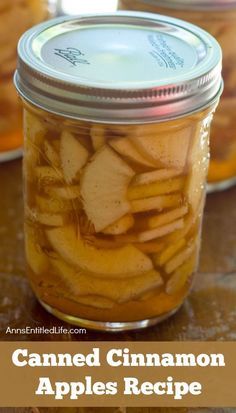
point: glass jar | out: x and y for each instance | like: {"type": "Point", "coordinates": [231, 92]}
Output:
{"type": "Point", "coordinates": [219, 19]}
{"type": "Point", "coordinates": [115, 164]}
{"type": "Point", "coordinates": [16, 17]}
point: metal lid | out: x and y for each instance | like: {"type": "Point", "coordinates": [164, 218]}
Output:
{"type": "Point", "coordinates": [194, 4]}
{"type": "Point", "coordinates": [122, 67]}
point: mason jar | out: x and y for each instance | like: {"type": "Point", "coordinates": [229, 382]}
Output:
{"type": "Point", "coordinates": [117, 112]}
{"type": "Point", "coordinates": [16, 17]}
{"type": "Point", "coordinates": [218, 17]}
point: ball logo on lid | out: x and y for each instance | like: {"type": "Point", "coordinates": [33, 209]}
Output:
{"type": "Point", "coordinates": [72, 55]}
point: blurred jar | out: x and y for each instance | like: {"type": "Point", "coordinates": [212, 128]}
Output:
{"type": "Point", "coordinates": [219, 19]}
{"type": "Point", "coordinates": [16, 16]}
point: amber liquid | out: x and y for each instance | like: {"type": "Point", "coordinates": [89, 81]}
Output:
{"type": "Point", "coordinates": [113, 213]}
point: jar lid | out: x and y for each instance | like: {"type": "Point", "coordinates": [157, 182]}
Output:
{"type": "Point", "coordinates": [124, 67]}
{"type": "Point", "coordinates": [194, 4]}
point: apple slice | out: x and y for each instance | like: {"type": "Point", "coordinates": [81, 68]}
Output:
{"type": "Point", "coordinates": [65, 192]}
{"type": "Point", "coordinates": [95, 301]}
{"type": "Point", "coordinates": [35, 257]}
{"type": "Point", "coordinates": [35, 134]}
{"type": "Point", "coordinates": [169, 149]}
{"type": "Point", "coordinates": [123, 262]}
{"type": "Point", "coordinates": [125, 148]}
{"type": "Point", "coordinates": [150, 247]}
{"type": "Point", "coordinates": [73, 156]}
{"type": "Point", "coordinates": [53, 205]}
{"type": "Point", "coordinates": [156, 202]}
{"type": "Point", "coordinates": [34, 128]}
{"type": "Point", "coordinates": [103, 243]}
{"type": "Point", "coordinates": [122, 290]}
{"type": "Point", "coordinates": [146, 247]}
{"type": "Point", "coordinates": [104, 185]}
{"type": "Point", "coordinates": [97, 133]}
{"type": "Point", "coordinates": [181, 276]}
{"type": "Point", "coordinates": [180, 258]}
{"type": "Point", "coordinates": [47, 175]}
{"type": "Point", "coordinates": [157, 175]}
{"type": "Point", "coordinates": [198, 164]}
{"type": "Point", "coordinates": [121, 226]}
{"type": "Point", "coordinates": [191, 223]}
{"type": "Point", "coordinates": [160, 231]}
{"type": "Point", "coordinates": [168, 252]}
{"type": "Point", "coordinates": [167, 217]}
{"type": "Point", "coordinates": [52, 220]}
{"type": "Point", "coordinates": [155, 188]}
{"type": "Point", "coordinates": [51, 154]}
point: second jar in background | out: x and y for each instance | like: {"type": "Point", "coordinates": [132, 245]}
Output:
{"type": "Point", "coordinates": [15, 17]}
{"type": "Point", "coordinates": [219, 19]}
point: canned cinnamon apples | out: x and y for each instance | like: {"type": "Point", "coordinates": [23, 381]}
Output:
{"type": "Point", "coordinates": [218, 18]}
{"type": "Point", "coordinates": [16, 16]}
{"type": "Point", "coordinates": [117, 112]}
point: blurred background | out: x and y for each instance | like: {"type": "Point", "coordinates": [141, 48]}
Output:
{"type": "Point", "coordinates": [88, 6]}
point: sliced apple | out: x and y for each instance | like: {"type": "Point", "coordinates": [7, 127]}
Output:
{"type": "Point", "coordinates": [160, 231]}
{"type": "Point", "coordinates": [126, 148]}
{"type": "Point", "coordinates": [181, 276]}
{"type": "Point", "coordinates": [34, 128]}
{"type": "Point", "coordinates": [198, 165]}
{"type": "Point", "coordinates": [52, 220]}
{"type": "Point", "coordinates": [180, 258]}
{"type": "Point", "coordinates": [31, 161]}
{"type": "Point", "coordinates": [97, 133]}
{"type": "Point", "coordinates": [146, 247]}
{"type": "Point", "coordinates": [123, 262]}
{"type": "Point", "coordinates": [167, 253]}
{"type": "Point", "coordinates": [48, 175]}
{"type": "Point", "coordinates": [73, 156]}
{"type": "Point", "coordinates": [53, 205]}
{"type": "Point", "coordinates": [167, 217]}
{"type": "Point", "coordinates": [95, 301]}
{"type": "Point", "coordinates": [104, 186]}
{"type": "Point", "coordinates": [121, 226]}
{"type": "Point", "coordinates": [157, 175]}
{"type": "Point", "coordinates": [103, 243]}
{"type": "Point", "coordinates": [36, 258]}
{"type": "Point", "coordinates": [169, 149]}
{"type": "Point", "coordinates": [191, 222]}
{"type": "Point", "coordinates": [150, 247]}
{"type": "Point", "coordinates": [51, 154]}
{"type": "Point", "coordinates": [122, 290]}
{"type": "Point", "coordinates": [65, 192]}
{"type": "Point", "coordinates": [118, 241]}
{"type": "Point", "coordinates": [156, 202]}
{"type": "Point", "coordinates": [155, 188]}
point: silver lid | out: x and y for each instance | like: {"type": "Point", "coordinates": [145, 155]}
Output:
{"type": "Point", "coordinates": [119, 67]}
{"type": "Point", "coordinates": [194, 4]}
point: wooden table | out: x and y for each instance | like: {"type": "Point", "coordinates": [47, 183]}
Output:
{"type": "Point", "coordinates": [208, 314]}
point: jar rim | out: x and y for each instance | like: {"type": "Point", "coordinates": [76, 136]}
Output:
{"type": "Point", "coordinates": [190, 80]}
